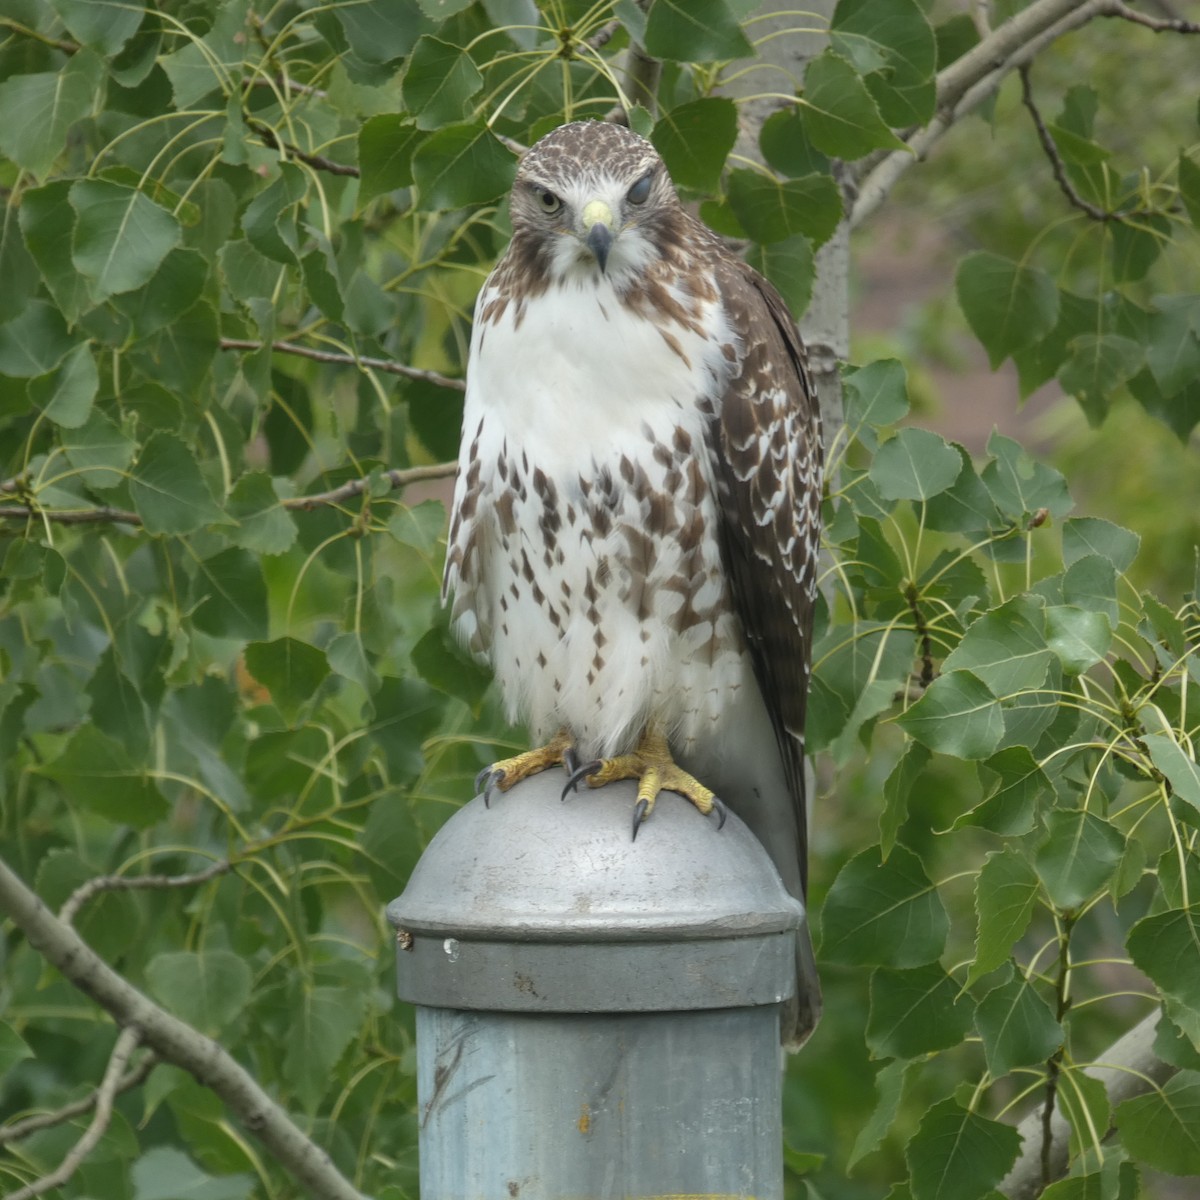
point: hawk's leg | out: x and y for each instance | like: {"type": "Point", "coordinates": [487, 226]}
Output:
{"type": "Point", "coordinates": [656, 771]}
{"type": "Point", "coordinates": [558, 751]}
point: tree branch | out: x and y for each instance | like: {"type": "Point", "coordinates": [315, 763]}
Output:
{"type": "Point", "coordinates": [317, 161]}
{"type": "Point", "coordinates": [327, 356]}
{"type": "Point", "coordinates": [968, 82]}
{"type": "Point", "coordinates": [1158, 24]}
{"type": "Point", "coordinates": [399, 478]}
{"type": "Point", "coordinates": [127, 1043]}
{"type": "Point", "coordinates": [115, 883]}
{"type": "Point", "coordinates": [131, 1079]}
{"type": "Point", "coordinates": [174, 1041]}
{"type": "Point", "coordinates": [1128, 1068]}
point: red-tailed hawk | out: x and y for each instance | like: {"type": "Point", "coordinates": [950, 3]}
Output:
{"type": "Point", "coordinates": [637, 512]}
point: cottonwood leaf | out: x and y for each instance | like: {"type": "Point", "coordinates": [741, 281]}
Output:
{"type": "Point", "coordinates": [1006, 647]}
{"type": "Point", "coordinates": [1017, 1027]}
{"type": "Point", "coordinates": [97, 774]}
{"type": "Point", "coordinates": [1008, 305]}
{"type": "Point", "coordinates": [694, 31]}
{"type": "Point", "coordinates": [207, 988]}
{"type": "Point", "coordinates": [889, 1088]}
{"type": "Point", "coordinates": [1006, 893]}
{"type": "Point", "coordinates": [695, 139]}
{"type": "Point", "coordinates": [1162, 1128]}
{"type": "Point", "coordinates": [958, 715]}
{"type": "Point", "coordinates": [839, 113]}
{"type": "Point", "coordinates": [959, 1155]}
{"type": "Point", "coordinates": [916, 1012]}
{"type": "Point", "coordinates": [883, 912]}
{"type": "Point", "coordinates": [916, 464]}
{"type": "Point", "coordinates": [439, 81]}
{"type": "Point", "coordinates": [1078, 857]}
{"type": "Point", "coordinates": [1078, 637]}
{"type": "Point", "coordinates": [167, 489]}
{"type": "Point", "coordinates": [291, 670]}
{"type": "Point", "coordinates": [461, 165]}
{"type": "Point", "coordinates": [322, 1024]}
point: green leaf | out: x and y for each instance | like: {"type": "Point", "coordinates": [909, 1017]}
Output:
{"type": "Point", "coordinates": [891, 44]}
{"type": "Point", "coordinates": [1189, 187]}
{"type": "Point", "coordinates": [959, 1155]}
{"type": "Point", "coordinates": [841, 117]}
{"type": "Point", "coordinates": [1079, 638]}
{"type": "Point", "coordinates": [348, 658]}
{"type": "Point", "coordinates": [205, 64]}
{"type": "Point", "coordinates": [66, 394]}
{"type": "Point", "coordinates": [1078, 857]}
{"type": "Point", "coordinates": [380, 31]}
{"type": "Point", "coordinates": [97, 774]}
{"type": "Point", "coordinates": [915, 1012]}
{"type": "Point", "coordinates": [40, 109]}
{"type": "Point", "coordinates": [1006, 648]}
{"type": "Point", "coordinates": [1084, 1103]}
{"type": "Point", "coordinates": [229, 596]}
{"type": "Point", "coordinates": [264, 525]}
{"type": "Point", "coordinates": [120, 236]}
{"type": "Point", "coordinates": [269, 221]}
{"type": "Point", "coordinates": [694, 31]}
{"type": "Point", "coordinates": [964, 507]}
{"type": "Point", "coordinates": [385, 153]}
{"type": "Point", "coordinates": [1173, 349]}
{"type": "Point", "coordinates": [290, 670]}
{"type": "Point", "coordinates": [167, 489]}
{"type": "Point", "coordinates": [1017, 1027]}
{"type": "Point", "coordinates": [1013, 785]}
{"type": "Point", "coordinates": [439, 81]}
{"type": "Point", "coordinates": [322, 1022]}
{"type": "Point", "coordinates": [1166, 946]}
{"type": "Point", "coordinates": [1170, 757]}
{"type": "Point", "coordinates": [896, 789]}
{"type": "Point", "coordinates": [174, 287]}
{"type": "Point", "coordinates": [876, 395]}
{"type": "Point", "coordinates": [1096, 367]}
{"type": "Point", "coordinates": [103, 25]}
{"type": "Point", "coordinates": [48, 223]}
{"type": "Point", "coordinates": [1162, 1128]}
{"type": "Point", "coordinates": [164, 1173]}
{"type": "Point", "coordinates": [790, 266]}
{"type": "Point", "coordinates": [1006, 893]}
{"type": "Point", "coordinates": [883, 913]}
{"type": "Point", "coordinates": [462, 165]}
{"type": "Point", "coordinates": [13, 1048]}
{"type": "Point", "coordinates": [1093, 535]}
{"type": "Point", "coordinates": [208, 989]}
{"type": "Point", "coordinates": [889, 1088]}
{"type": "Point", "coordinates": [1091, 583]}
{"type": "Point", "coordinates": [770, 211]}
{"type": "Point", "coordinates": [695, 139]}
{"type": "Point", "coordinates": [958, 715]}
{"type": "Point", "coordinates": [916, 464]}
{"type": "Point", "coordinates": [1020, 486]}
{"type": "Point", "coordinates": [443, 664]}
{"type": "Point", "coordinates": [1008, 305]}
{"type": "Point", "coordinates": [35, 342]}
{"type": "Point", "coordinates": [99, 451]}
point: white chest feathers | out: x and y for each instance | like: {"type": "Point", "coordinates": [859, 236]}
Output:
{"type": "Point", "coordinates": [584, 550]}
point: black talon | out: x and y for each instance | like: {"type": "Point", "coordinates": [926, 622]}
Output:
{"type": "Point", "coordinates": [721, 811]}
{"type": "Point", "coordinates": [639, 815]}
{"type": "Point", "coordinates": [579, 774]}
{"type": "Point", "coordinates": [481, 777]}
{"type": "Point", "coordinates": [493, 778]}
{"type": "Point", "coordinates": [570, 760]}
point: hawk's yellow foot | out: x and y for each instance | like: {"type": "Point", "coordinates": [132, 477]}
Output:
{"type": "Point", "coordinates": [559, 751]}
{"type": "Point", "coordinates": [656, 771]}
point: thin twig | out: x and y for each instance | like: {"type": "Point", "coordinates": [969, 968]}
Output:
{"type": "Point", "coordinates": [25, 31]}
{"type": "Point", "coordinates": [317, 161]}
{"type": "Point", "coordinates": [290, 85]}
{"type": "Point", "coordinates": [69, 516]}
{"type": "Point", "coordinates": [115, 883]}
{"type": "Point", "coordinates": [327, 356]}
{"type": "Point", "coordinates": [1159, 24]}
{"type": "Point", "coordinates": [1056, 163]}
{"type": "Point", "coordinates": [399, 478]}
{"type": "Point", "coordinates": [131, 1079]}
{"type": "Point", "coordinates": [127, 1043]}
{"type": "Point", "coordinates": [175, 1042]}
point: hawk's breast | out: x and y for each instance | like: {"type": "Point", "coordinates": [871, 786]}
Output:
{"type": "Point", "coordinates": [584, 555]}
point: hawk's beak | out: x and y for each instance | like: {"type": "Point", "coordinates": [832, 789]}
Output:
{"type": "Point", "coordinates": [598, 221]}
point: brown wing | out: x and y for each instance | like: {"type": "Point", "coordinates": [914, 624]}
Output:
{"type": "Point", "coordinates": [769, 463]}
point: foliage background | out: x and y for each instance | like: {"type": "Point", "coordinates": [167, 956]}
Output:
{"type": "Point", "coordinates": [222, 655]}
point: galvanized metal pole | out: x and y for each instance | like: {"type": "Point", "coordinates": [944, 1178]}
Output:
{"type": "Point", "coordinates": [595, 1016]}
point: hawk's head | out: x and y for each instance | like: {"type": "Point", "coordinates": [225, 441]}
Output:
{"type": "Point", "coordinates": [593, 198]}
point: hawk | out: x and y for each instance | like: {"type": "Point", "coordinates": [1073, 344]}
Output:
{"type": "Point", "coordinates": [637, 510]}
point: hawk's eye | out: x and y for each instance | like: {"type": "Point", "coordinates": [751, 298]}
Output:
{"type": "Point", "coordinates": [640, 191]}
{"type": "Point", "coordinates": [548, 202]}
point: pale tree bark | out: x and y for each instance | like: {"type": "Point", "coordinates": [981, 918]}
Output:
{"type": "Point", "coordinates": [144, 1022]}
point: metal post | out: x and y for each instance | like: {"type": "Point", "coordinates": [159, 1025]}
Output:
{"type": "Point", "coordinates": [596, 1017]}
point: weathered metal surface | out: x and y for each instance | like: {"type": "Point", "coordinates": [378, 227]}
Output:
{"type": "Point", "coordinates": [597, 1017]}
